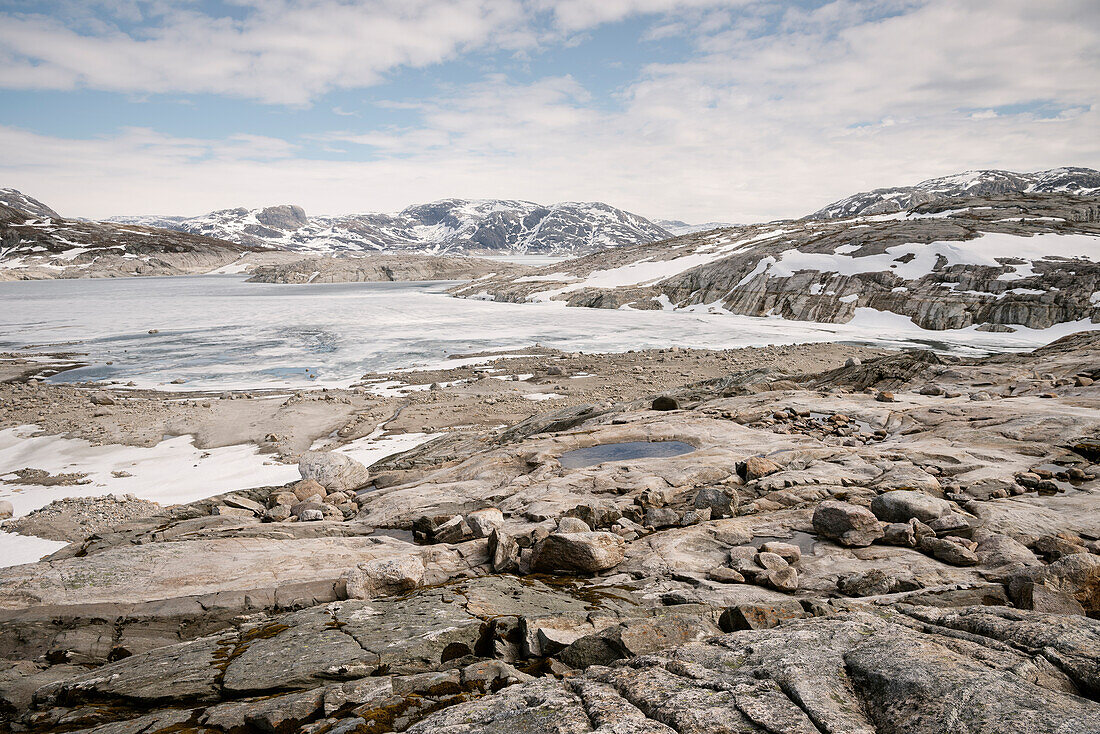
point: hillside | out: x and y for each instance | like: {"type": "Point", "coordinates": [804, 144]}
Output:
{"type": "Point", "coordinates": [969, 184]}
{"type": "Point", "coordinates": [1022, 259]}
{"type": "Point", "coordinates": [36, 244]}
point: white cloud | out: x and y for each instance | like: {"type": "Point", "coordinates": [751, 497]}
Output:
{"type": "Point", "coordinates": [772, 116]}
{"type": "Point", "coordinates": [280, 52]}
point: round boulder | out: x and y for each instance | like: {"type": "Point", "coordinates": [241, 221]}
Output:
{"type": "Point", "coordinates": [847, 524]}
{"type": "Point", "coordinates": [903, 504]}
{"type": "Point", "coordinates": [665, 402]}
{"type": "Point", "coordinates": [334, 472]}
{"type": "Point", "coordinates": [384, 576]}
{"type": "Point", "coordinates": [579, 552]}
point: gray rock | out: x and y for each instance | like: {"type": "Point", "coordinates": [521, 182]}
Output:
{"type": "Point", "coordinates": [454, 530]}
{"type": "Point", "coordinates": [949, 551]}
{"type": "Point", "coordinates": [847, 524]}
{"type": "Point", "coordinates": [665, 402]}
{"type": "Point", "coordinates": [573, 525]}
{"type": "Point", "coordinates": [483, 522]}
{"type": "Point", "coordinates": [504, 552]}
{"type": "Point", "coordinates": [902, 505]}
{"type": "Point", "coordinates": [6, 509]}
{"type": "Point", "coordinates": [333, 471]}
{"type": "Point", "coordinates": [311, 515]}
{"type": "Point", "coordinates": [278, 513]}
{"type": "Point", "coordinates": [722, 503]}
{"type": "Point", "coordinates": [578, 552]}
{"type": "Point", "coordinates": [384, 576]}
{"type": "Point", "coordinates": [661, 517]}
{"type": "Point", "coordinates": [787, 551]}
{"type": "Point", "coordinates": [899, 533]}
{"type": "Point", "coordinates": [759, 616]}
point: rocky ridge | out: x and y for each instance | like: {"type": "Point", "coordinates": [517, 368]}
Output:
{"type": "Point", "coordinates": [907, 543]}
{"type": "Point", "coordinates": [36, 243]}
{"type": "Point", "coordinates": [382, 268]}
{"type": "Point", "coordinates": [449, 226]}
{"type": "Point", "coordinates": [968, 184]}
{"type": "Point", "coordinates": [992, 262]}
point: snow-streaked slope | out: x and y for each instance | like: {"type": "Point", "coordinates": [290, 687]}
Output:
{"type": "Point", "coordinates": [447, 226]}
{"type": "Point", "coordinates": [1076, 181]}
{"type": "Point", "coordinates": [1030, 260]}
{"type": "Point", "coordinates": [18, 200]}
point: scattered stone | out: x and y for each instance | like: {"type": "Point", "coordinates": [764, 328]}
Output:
{"type": "Point", "coordinates": [333, 471]}
{"type": "Point", "coordinates": [756, 467]}
{"type": "Point", "coordinates": [384, 576]}
{"type": "Point", "coordinates": [948, 552]}
{"type": "Point", "coordinates": [311, 515]}
{"type": "Point", "coordinates": [787, 551]}
{"type": "Point", "coordinates": [759, 616]}
{"type": "Point", "coordinates": [902, 505]}
{"type": "Point", "coordinates": [847, 524]}
{"type": "Point", "coordinates": [482, 523]}
{"type": "Point", "coordinates": [573, 525]}
{"type": "Point", "coordinates": [665, 402]}
{"type": "Point", "coordinates": [572, 553]}
{"type": "Point", "coordinates": [722, 503]}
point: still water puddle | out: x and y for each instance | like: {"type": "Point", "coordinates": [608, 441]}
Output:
{"type": "Point", "coordinates": [626, 451]}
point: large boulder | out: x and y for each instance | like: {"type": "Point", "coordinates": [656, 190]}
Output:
{"type": "Point", "coordinates": [335, 472]}
{"type": "Point", "coordinates": [847, 524]}
{"type": "Point", "coordinates": [384, 576]}
{"type": "Point", "coordinates": [578, 552]}
{"type": "Point", "coordinates": [903, 504]}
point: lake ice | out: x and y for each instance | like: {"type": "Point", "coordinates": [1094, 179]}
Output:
{"type": "Point", "coordinates": [218, 332]}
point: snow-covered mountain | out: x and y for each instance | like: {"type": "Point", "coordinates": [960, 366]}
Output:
{"type": "Point", "coordinates": [447, 226]}
{"type": "Point", "coordinates": [969, 184]}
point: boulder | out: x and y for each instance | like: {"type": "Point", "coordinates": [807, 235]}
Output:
{"type": "Point", "coordinates": [578, 552]}
{"type": "Point", "coordinates": [311, 515]}
{"type": "Point", "coordinates": [6, 510]}
{"type": "Point", "coordinates": [454, 530]}
{"type": "Point", "coordinates": [722, 502]}
{"type": "Point", "coordinates": [637, 637]}
{"type": "Point", "coordinates": [661, 517]}
{"type": "Point", "coordinates": [665, 402]}
{"type": "Point", "coordinates": [573, 525]}
{"type": "Point", "coordinates": [483, 522]}
{"type": "Point", "coordinates": [948, 551]}
{"type": "Point", "coordinates": [902, 505]}
{"type": "Point", "coordinates": [759, 615]}
{"type": "Point", "coordinates": [384, 576]}
{"type": "Point", "coordinates": [787, 551]}
{"type": "Point", "coordinates": [503, 552]}
{"type": "Point", "coordinates": [308, 488]}
{"type": "Point", "coordinates": [333, 471]}
{"type": "Point", "coordinates": [756, 467]}
{"type": "Point", "coordinates": [847, 524]}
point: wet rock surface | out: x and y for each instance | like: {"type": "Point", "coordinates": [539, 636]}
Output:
{"type": "Point", "coordinates": [777, 578]}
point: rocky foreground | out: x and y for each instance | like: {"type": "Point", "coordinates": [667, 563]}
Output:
{"type": "Point", "coordinates": [907, 544]}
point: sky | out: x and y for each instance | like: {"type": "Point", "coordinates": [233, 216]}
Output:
{"type": "Point", "coordinates": [699, 110]}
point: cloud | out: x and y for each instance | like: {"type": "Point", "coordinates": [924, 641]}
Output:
{"type": "Point", "coordinates": [279, 52]}
{"type": "Point", "coordinates": [775, 112]}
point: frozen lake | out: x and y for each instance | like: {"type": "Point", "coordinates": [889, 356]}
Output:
{"type": "Point", "coordinates": [218, 332]}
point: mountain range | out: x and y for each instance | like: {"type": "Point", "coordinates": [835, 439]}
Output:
{"type": "Point", "coordinates": [450, 226]}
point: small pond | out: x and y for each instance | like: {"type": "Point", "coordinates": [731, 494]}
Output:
{"type": "Point", "coordinates": [623, 452]}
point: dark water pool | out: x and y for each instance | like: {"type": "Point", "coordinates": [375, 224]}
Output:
{"type": "Point", "coordinates": [623, 452]}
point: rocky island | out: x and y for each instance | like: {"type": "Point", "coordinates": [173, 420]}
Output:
{"type": "Point", "coordinates": [796, 539]}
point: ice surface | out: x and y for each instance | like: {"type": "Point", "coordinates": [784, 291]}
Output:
{"type": "Point", "coordinates": [218, 332]}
